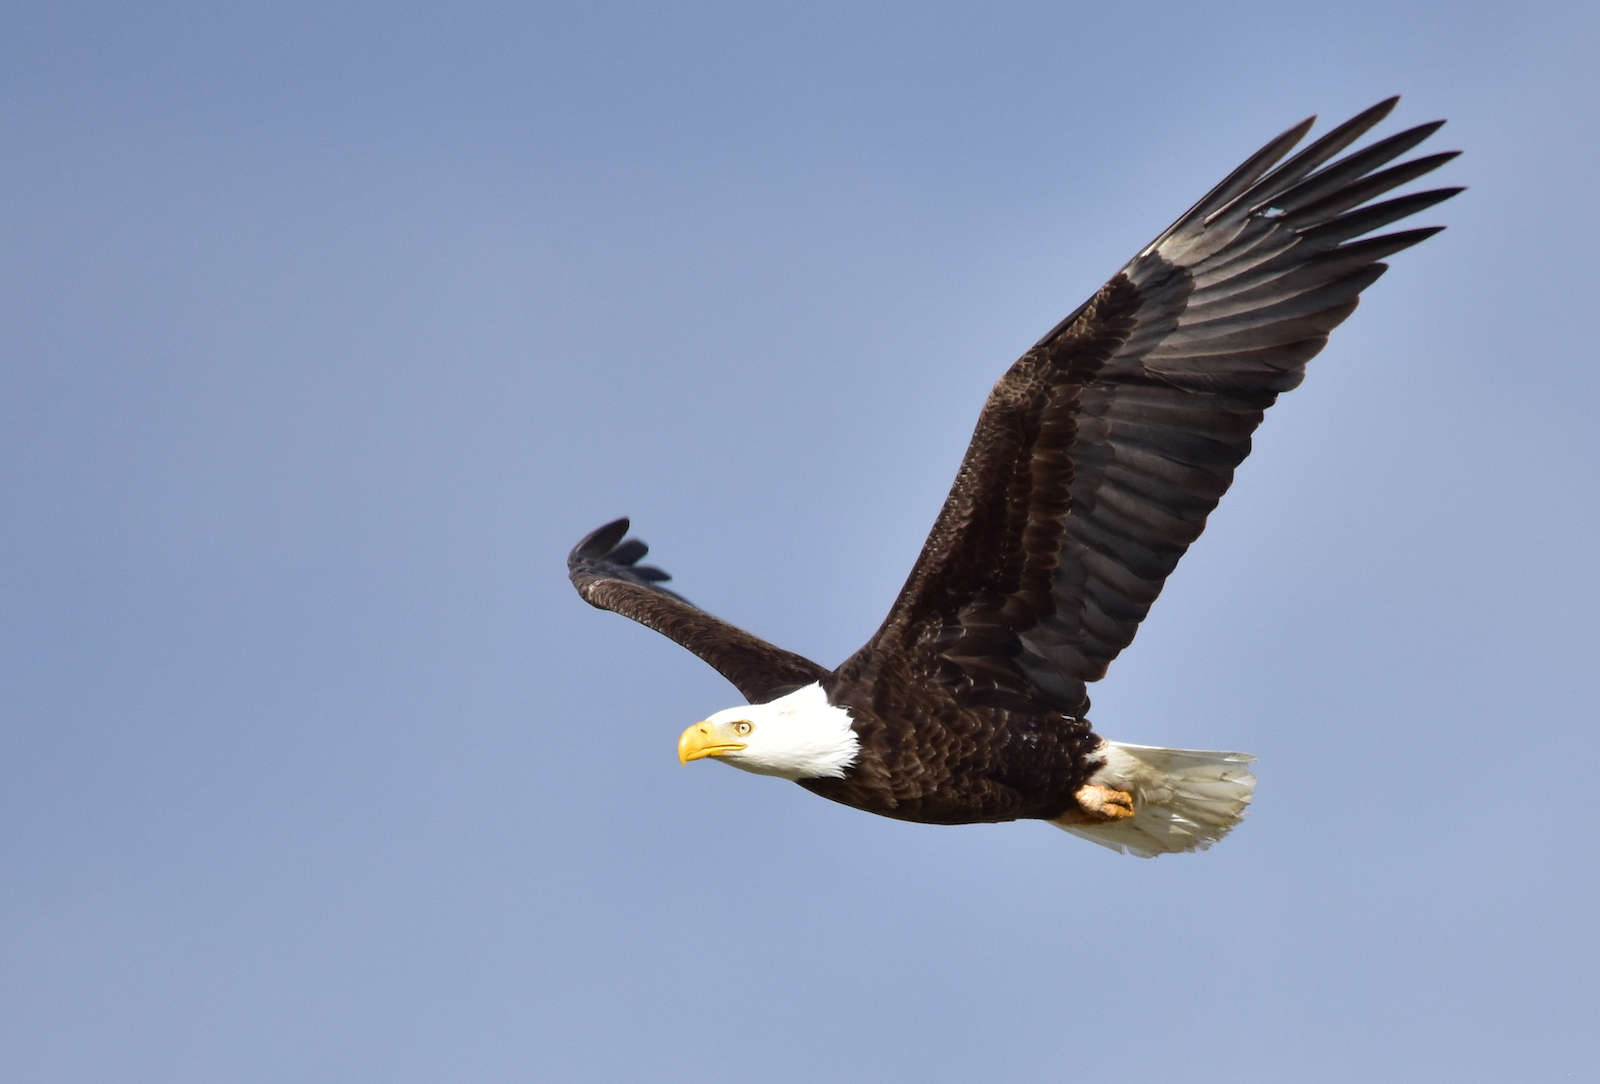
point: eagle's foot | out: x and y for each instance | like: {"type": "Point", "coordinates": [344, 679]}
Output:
{"type": "Point", "coordinates": [1103, 803]}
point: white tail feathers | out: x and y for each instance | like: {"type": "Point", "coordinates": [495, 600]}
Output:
{"type": "Point", "coordinates": [1183, 799]}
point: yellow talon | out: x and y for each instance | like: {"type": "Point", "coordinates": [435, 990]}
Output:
{"type": "Point", "coordinates": [1105, 803]}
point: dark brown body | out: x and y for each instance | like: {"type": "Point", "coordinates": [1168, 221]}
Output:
{"type": "Point", "coordinates": [959, 765]}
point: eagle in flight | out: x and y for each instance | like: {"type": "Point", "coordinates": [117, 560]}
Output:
{"type": "Point", "coordinates": [1096, 460]}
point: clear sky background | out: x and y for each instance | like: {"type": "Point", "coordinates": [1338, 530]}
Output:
{"type": "Point", "coordinates": [328, 328]}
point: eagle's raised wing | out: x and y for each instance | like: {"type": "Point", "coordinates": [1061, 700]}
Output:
{"type": "Point", "coordinates": [606, 571]}
{"type": "Point", "coordinates": [1100, 453]}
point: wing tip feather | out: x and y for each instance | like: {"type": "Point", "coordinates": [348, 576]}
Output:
{"type": "Point", "coordinates": [600, 541]}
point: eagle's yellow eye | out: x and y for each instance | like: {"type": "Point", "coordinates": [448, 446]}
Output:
{"type": "Point", "coordinates": [742, 729]}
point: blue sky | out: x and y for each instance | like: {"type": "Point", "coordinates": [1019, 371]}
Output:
{"type": "Point", "coordinates": [329, 328]}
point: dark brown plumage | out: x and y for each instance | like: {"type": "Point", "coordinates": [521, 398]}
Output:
{"type": "Point", "coordinates": [1096, 460]}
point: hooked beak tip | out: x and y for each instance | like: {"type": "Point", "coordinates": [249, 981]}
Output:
{"type": "Point", "coordinates": [698, 741]}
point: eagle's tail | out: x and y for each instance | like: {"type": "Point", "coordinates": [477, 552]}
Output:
{"type": "Point", "coordinates": [1183, 799]}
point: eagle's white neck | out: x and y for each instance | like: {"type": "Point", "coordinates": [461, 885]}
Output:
{"type": "Point", "coordinates": [798, 736]}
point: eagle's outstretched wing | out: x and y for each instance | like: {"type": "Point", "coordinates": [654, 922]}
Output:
{"type": "Point", "coordinates": [605, 570]}
{"type": "Point", "coordinates": [1100, 453]}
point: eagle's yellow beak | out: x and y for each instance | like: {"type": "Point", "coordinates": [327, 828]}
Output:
{"type": "Point", "coordinates": [702, 740]}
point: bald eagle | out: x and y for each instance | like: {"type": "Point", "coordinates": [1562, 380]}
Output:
{"type": "Point", "coordinates": [1096, 460]}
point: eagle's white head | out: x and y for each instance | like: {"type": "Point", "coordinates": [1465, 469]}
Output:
{"type": "Point", "coordinates": [798, 736]}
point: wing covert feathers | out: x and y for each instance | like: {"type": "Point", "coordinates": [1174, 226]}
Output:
{"type": "Point", "coordinates": [604, 568]}
{"type": "Point", "coordinates": [1100, 453]}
